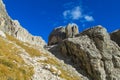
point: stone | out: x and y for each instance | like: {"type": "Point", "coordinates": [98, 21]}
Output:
{"type": "Point", "coordinates": [95, 53]}
{"type": "Point", "coordinates": [115, 36]}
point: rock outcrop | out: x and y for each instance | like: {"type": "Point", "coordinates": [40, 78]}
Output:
{"type": "Point", "coordinates": [115, 36]}
{"type": "Point", "coordinates": [71, 30]}
{"type": "Point", "coordinates": [12, 27]}
{"type": "Point", "coordinates": [57, 35]}
{"type": "Point", "coordinates": [94, 52]}
{"type": "Point", "coordinates": [61, 33]}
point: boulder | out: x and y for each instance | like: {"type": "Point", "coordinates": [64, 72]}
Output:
{"type": "Point", "coordinates": [115, 36]}
{"type": "Point", "coordinates": [95, 53]}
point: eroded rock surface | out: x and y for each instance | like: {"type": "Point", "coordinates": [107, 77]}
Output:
{"type": "Point", "coordinates": [71, 30]}
{"type": "Point", "coordinates": [57, 35]}
{"type": "Point", "coordinates": [95, 53]}
{"type": "Point", "coordinates": [61, 33]}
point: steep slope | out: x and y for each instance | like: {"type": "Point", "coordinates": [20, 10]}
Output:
{"type": "Point", "coordinates": [24, 57]}
{"type": "Point", "coordinates": [12, 66]}
{"type": "Point", "coordinates": [45, 65]}
{"type": "Point", "coordinates": [13, 27]}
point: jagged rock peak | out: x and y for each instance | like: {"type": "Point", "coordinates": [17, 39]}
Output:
{"type": "Point", "coordinates": [13, 27]}
{"type": "Point", "coordinates": [60, 33]}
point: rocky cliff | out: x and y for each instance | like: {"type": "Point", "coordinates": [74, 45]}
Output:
{"type": "Point", "coordinates": [93, 53]}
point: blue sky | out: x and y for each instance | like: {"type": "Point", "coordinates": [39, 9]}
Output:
{"type": "Point", "coordinates": [40, 17]}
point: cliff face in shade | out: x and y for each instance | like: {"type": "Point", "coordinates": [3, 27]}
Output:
{"type": "Point", "coordinates": [93, 53]}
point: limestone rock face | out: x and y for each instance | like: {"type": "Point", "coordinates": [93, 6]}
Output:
{"type": "Point", "coordinates": [115, 36]}
{"type": "Point", "coordinates": [71, 30]}
{"type": "Point", "coordinates": [57, 35]}
{"type": "Point", "coordinates": [12, 27]}
{"type": "Point", "coordinates": [23, 35]}
{"type": "Point", "coordinates": [95, 53]}
{"type": "Point", "coordinates": [61, 33]}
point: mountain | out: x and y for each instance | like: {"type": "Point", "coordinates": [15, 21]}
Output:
{"type": "Point", "coordinates": [23, 56]}
{"type": "Point", "coordinates": [93, 54]}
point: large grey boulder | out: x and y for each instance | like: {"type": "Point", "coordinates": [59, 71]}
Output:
{"type": "Point", "coordinates": [95, 53]}
{"type": "Point", "coordinates": [115, 36]}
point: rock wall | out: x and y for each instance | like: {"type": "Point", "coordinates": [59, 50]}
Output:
{"type": "Point", "coordinates": [95, 53]}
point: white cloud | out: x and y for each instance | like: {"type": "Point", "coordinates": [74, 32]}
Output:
{"type": "Point", "coordinates": [66, 13]}
{"type": "Point", "coordinates": [77, 13]}
{"type": "Point", "coordinates": [74, 14]}
{"type": "Point", "coordinates": [89, 18]}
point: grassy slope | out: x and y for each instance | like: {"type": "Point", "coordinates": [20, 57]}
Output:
{"type": "Point", "coordinates": [23, 72]}
{"type": "Point", "coordinates": [12, 66]}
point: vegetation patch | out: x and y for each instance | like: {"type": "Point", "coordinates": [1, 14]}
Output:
{"type": "Point", "coordinates": [32, 51]}
{"type": "Point", "coordinates": [12, 66]}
